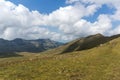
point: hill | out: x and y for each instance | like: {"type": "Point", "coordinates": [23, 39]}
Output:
{"type": "Point", "coordinates": [8, 48]}
{"type": "Point", "coordinates": [98, 63]}
{"type": "Point", "coordinates": [88, 42]}
{"type": "Point", "coordinates": [84, 43]}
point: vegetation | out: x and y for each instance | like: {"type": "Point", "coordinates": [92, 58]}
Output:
{"type": "Point", "coordinates": [99, 63]}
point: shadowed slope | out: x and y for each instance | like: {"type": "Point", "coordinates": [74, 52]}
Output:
{"type": "Point", "coordinates": [83, 44]}
{"type": "Point", "coordinates": [88, 42]}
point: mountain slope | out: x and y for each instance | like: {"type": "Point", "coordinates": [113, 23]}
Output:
{"type": "Point", "coordinates": [99, 63]}
{"type": "Point", "coordinates": [83, 43]}
{"type": "Point", "coordinates": [88, 42]}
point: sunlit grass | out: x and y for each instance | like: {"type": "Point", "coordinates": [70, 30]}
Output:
{"type": "Point", "coordinates": [100, 63]}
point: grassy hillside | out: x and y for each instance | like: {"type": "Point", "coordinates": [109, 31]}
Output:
{"type": "Point", "coordinates": [87, 42]}
{"type": "Point", "coordinates": [98, 63]}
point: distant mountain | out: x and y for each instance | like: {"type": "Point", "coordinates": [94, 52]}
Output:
{"type": "Point", "coordinates": [21, 45]}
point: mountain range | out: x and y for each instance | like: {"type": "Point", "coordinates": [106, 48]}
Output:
{"type": "Point", "coordinates": [20, 45]}
{"type": "Point", "coordinates": [10, 47]}
{"type": "Point", "coordinates": [95, 57]}
{"type": "Point", "coordinates": [84, 43]}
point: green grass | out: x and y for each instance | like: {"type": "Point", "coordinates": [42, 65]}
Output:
{"type": "Point", "coordinates": [100, 63]}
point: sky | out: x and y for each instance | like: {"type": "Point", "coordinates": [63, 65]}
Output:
{"type": "Point", "coordinates": [59, 20]}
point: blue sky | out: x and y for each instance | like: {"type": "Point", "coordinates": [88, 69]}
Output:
{"type": "Point", "coordinates": [47, 6]}
{"type": "Point", "coordinates": [43, 6]}
{"type": "Point", "coordinates": [103, 10]}
{"type": "Point", "coordinates": [59, 20]}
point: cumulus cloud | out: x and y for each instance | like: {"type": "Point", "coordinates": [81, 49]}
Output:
{"type": "Point", "coordinates": [83, 28]}
{"type": "Point", "coordinates": [114, 2]}
{"type": "Point", "coordinates": [17, 21]}
{"type": "Point", "coordinates": [116, 16]}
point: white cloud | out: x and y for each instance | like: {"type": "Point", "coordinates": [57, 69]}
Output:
{"type": "Point", "coordinates": [71, 1]}
{"type": "Point", "coordinates": [116, 16]}
{"type": "Point", "coordinates": [17, 21]}
{"type": "Point", "coordinates": [69, 14]}
{"type": "Point", "coordinates": [115, 31]}
{"type": "Point", "coordinates": [83, 27]}
{"type": "Point", "coordinates": [114, 2]}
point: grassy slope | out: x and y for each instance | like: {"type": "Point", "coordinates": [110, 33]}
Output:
{"type": "Point", "coordinates": [100, 63]}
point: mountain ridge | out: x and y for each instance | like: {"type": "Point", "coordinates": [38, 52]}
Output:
{"type": "Point", "coordinates": [83, 43]}
{"type": "Point", "coordinates": [89, 42]}
{"type": "Point", "coordinates": [10, 47]}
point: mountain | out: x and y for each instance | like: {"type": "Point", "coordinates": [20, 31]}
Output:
{"type": "Point", "coordinates": [84, 43]}
{"type": "Point", "coordinates": [21, 45]}
{"type": "Point", "coordinates": [88, 42]}
{"type": "Point", "coordinates": [98, 63]}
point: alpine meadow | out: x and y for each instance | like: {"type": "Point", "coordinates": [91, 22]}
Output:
{"type": "Point", "coordinates": [59, 40]}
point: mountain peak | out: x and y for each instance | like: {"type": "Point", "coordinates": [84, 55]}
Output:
{"type": "Point", "coordinates": [95, 35]}
{"type": "Point", "coordinates": [18, 39]}
{"type": "Point", "coordinates": [43, 40]}
{"type": "Point", "coordinates": [98, 34]}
